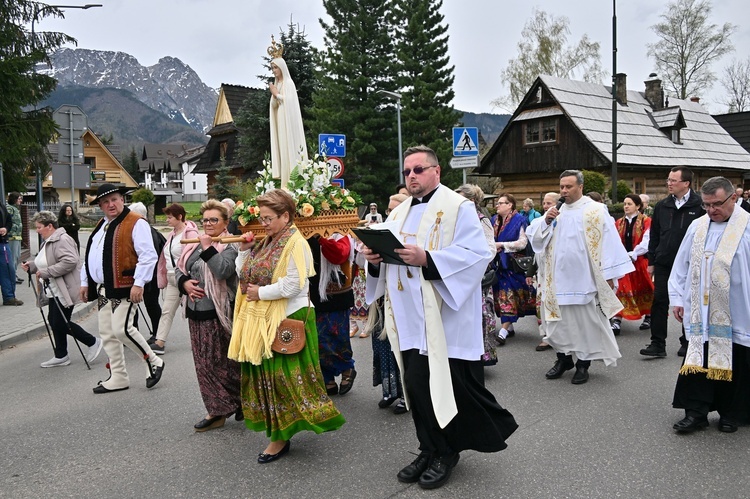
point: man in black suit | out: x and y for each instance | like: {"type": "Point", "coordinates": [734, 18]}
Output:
{"type": "Point", "coordinates": [741, 201]}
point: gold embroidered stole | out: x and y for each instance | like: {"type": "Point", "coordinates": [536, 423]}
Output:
{"type": "Point", "coordinates": [436, 230]}
{"type": "Point", "coordinates": [715, 297]}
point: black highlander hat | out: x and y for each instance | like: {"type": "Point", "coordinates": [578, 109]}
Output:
{"type": "Point", "coordinates": [106, 190]}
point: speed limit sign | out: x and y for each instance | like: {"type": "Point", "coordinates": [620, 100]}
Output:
{"type": "Point", "coordinates": [337, 167]}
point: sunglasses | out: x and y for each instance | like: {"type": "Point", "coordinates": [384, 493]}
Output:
{"type": "Point", "coordinates": [417, 170]}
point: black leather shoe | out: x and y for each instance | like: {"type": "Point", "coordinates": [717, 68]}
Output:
{"type": "Point", "coordinates": [99, 389]}
{"type": "Point", "coordinates": [413, 471]}
{"type": "Point", "coordinates": [683, 350]}
{"type": "Point", "coordinates": [438, 472]}
{"type": "Point", "coordinates": [239, 415]}
{"type": "Point", "coordinates": [387, 402]}
{"type": "Point", "coordinates": [152, 380]}
{"type": "Point", "coordinates": [581, 376]}
{"type": "Point", "coordinates": [654, 351]}
{"type": "Point", "coordinates": [690, 423]}
{"type": "Point", "coordinates": [559, 368]}
{"type": "Point", "coordinates": [267, 458]}
{"type": "Point", "coordinates": [347, 381]}
{"type": "Point", "coordinates": [210, 423]}
{"type": "Point", "coordinates": [727, 425]}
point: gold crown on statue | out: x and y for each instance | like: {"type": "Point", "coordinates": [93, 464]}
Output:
{"type": "Point", "coordinates": [276, 50]}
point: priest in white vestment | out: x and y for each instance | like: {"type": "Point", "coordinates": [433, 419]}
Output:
{"type": "Point", "coordinates": [709, 291]}
{"type": "Point", "coordinates": [433, 319]}
{"type": "Point", "coordinates": [581, 256]}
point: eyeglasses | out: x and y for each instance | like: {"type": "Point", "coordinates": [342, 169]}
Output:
{"type": "Point", "coordinates": [210, 221]}
{"type": "Point", "coordinates": [715, 206]}
{"type": "Point", "coordinates": [267, 220]}
{"type": "Point", "coordinates": [673, 181]}
{"type": "Point", "coordinates": [503, 202]}
{"type": "Point", "coordinates": [417, 170]}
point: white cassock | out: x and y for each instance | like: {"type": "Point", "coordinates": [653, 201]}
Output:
{"type": "Point", "coordinates": [582, 328]}
{"type": "Point", "coordinates": [739, 286]}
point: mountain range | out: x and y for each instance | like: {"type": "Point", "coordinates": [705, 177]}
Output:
{"type": "Point", "coordinates": [166, 102]}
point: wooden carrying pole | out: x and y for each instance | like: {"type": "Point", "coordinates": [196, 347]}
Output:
{"type": "Point", "coordinates": [227, 239]}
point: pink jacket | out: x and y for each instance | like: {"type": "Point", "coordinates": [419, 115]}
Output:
{"type": "Point", "coordinates": [190, 232]}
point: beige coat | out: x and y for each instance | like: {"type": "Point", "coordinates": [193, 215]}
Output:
{"type": "Point", "coordinates": [63, 265]}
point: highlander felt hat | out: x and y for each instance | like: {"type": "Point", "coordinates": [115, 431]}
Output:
{"type": "Point", "coordinates": [107, 189]}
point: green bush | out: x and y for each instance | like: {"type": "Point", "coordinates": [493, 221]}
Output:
{"type": "Point", "coordinates": [623, 189]}
{"type": "Point", "coordinates": [144, 196]}
{"type": "Point", "coordinates": [593, 181]}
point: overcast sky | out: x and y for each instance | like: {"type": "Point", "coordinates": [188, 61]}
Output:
{"type": "Point", "coordinates": [224, 40]}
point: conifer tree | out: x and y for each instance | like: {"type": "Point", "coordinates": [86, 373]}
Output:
{"type": "Point", "coordinates": [357, 62]}
{"type": "Point", "coordinates": [425, 77]}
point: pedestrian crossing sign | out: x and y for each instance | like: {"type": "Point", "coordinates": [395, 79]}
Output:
{"type": "Point", "coordinates": [465, 141]}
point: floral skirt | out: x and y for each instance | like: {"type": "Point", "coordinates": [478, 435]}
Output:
{"type": "Point", "coordinates": [636, 291]}
{"type": "Point", "coordinates": [359, 310]}
{"type": "Point", "coordinates": [285, 394]}
{"type": "Point", "coordinates": [513, 297]}
{"type": "Point", "coordinates": [335, 344]}
{"type": "Point", "coordinates": [218, 375]}
{"type": "Point", "coordinates": [489, 357]}
{"type": "Point", "coordinates": [385, 370]}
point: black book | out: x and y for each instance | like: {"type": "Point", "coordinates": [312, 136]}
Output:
{"type": "Point", "coordinates": [382, 242]}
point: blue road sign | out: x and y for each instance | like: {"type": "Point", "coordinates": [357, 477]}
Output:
{"type": "Point", "coordinates": [338, 181]}
{"type": "Point", "coordinates": [465, 141]}
{"type": "Point", "coordinates": [332, 144]}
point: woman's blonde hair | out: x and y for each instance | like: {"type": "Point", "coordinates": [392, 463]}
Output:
{"type": "Point", "coordinates": [213, 204]}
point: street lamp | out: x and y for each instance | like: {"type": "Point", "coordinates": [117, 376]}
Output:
{"type": "Point", "coordinates": [37, 11]}
{"type": "Point", "coordinates": [397, 97]}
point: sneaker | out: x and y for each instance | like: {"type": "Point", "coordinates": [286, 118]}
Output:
{"type": "Point", "coordinates": [157, 349]}
{"type": "Point", "coordinates": [19, 280]}
{"type": "Point", "coordinates": [13, 302]}
{"type": "Point", "coordinates": [151, 340]}
{"type": "Point", "coordinates": [55, 362]}
{"type": "Point", "coordinates": [400, 407]}
{"type": "Point", "coordinates": [654, 351]}
{"type": "Point", "coordinates": [94, 351]}
{"type": "Point", "coordinates": [646, 324]}
{"type": "Point", "coordinates": [615, 324]}
{"type": "Point", "coordinates": [683, 350]}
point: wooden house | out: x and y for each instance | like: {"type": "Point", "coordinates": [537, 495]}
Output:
{"type": "Point", "coordinates": [223, 141]}
{"type": "Point", "coordinates": [565, 124]}
{"type": "Point", "coordinates": [738, 126]}
{"type": "Point", "coordinates": [168, 173]}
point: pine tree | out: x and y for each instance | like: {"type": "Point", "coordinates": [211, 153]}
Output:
{"type": "Point", "coordinates": [24, 130]}
{"type": "Point", "coordinates": [223, 182]}
{"type": "Point", "coordinates": [132, 167]}
{"type": "Point", "coordinates": [356, 63]}
{"type": "Point", "coordinates": [425, 78]}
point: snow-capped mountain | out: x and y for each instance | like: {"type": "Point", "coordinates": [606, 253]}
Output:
{"type": "Point", "coordinates": [169, 86]}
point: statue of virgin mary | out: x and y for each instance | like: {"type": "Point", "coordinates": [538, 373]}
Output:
{"type": "Point", "coordinates": [287, 133]}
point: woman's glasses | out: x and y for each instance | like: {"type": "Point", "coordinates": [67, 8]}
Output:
{"type": "Point", "coordinates": [210, 221]}
{"type": "Point", "coordinates": [267, 220]}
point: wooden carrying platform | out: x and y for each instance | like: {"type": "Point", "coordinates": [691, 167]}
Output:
{"type": "Point", "coordinates": [323, 225]}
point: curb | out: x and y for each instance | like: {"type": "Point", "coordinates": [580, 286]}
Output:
{"type": "Point", "coordinates": [37, 331]}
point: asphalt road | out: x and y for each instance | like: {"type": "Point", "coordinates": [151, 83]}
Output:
{"type": "Point", "coordinates": [609, 438]}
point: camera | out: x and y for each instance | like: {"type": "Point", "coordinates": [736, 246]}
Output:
{"type": "Point", "coordinates": [373, 218]}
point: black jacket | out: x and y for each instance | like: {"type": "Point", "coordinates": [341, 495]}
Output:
{"type": "Point", "coordinates": [668, 227]}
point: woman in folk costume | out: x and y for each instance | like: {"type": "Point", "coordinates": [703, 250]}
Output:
{"type": "Point", "coordinates": [282, 394]}
{"type": "Point", "coordinates": [287, 134]}
{"type": "Point", "coordinates": [636, 289]}
{"type": "Point", "coordinates": [475, 194]}
{"type": "Point", "coordinates": [513, 297]}
{"type": "Point", "coordinates": [205, 273]}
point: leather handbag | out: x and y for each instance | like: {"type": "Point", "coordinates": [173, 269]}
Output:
{"type": "Point", "coordinates": [290, 335]}
{"type": "Point", "coordinates": [521, 264]}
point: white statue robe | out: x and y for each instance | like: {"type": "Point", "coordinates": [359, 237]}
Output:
{"type": "Point", "coordinates": [581, 328]}
{"type": "Point", "coordinates": [288, 144]}
{"type": "Point", "coordinates": [461, 262]}
{"type": "Point", "coordinates": [739, 286]}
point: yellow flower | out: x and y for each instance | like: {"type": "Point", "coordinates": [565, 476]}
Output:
{"type": "Point", "coordinates": [242, 220]}
{"type": "Point", "coordinates": [254, 211]}
{"type": "Point", "coordinates": [349, 199]}
{"type": "Point", "coordinates": [239, 206]}
{"type": "Point", "coordinates": [325, 206]}
{"type": "Point", "coordinates": [337, 201]}
{"type": "Point", "coordinates": [307, 210]}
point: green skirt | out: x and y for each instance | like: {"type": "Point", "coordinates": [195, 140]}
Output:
{"type": "Point", "coordinates": [286, 394]}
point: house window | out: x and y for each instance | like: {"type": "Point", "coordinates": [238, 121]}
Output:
{"type": "Point", "coordinates": [639, 185]}
{"type": "Point", "coordinates": [223, 150]}
{"type": "Point", "coordinates": [676, 135]}
{"type": "Point", "coordinates": [194, 186]}
{"type": "Point", "coordinates": [541, 131]}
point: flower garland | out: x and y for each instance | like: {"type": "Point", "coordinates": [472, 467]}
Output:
{"type": "Point", "coordinates": [310, 186]}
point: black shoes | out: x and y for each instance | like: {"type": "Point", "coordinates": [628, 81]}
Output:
{"type": "Point", "coordinates": [400, 408]}
{"type": "Point", "coordinates": [347, 381]}
{"type": "Point", "coordinates": [683, 350]}
{"type": "Point", "coordinates": [691, 423]}
{"type": "Point", "coordinates": [615, 324]}
{"type": "Point", "coordinates": [646, 324]}
{"type": "Point", "coordinates": [581, 376]}
{"type": "Point", "coordinates": [413, 471]}
{"type": "Point", "coordinates": [267, 458]}
{"type": "Point", "coordinates": [654, 350]}
{"type": "Point", "coordinates": [438, 472]}
{"type": "Point", "coordinates": [727, 425]}
{"type": "Point", "coordinates": [559, 368]}
{"type": "Point", "coordinates": [239, 415]}
{"type": "Point", "coordinates": [152, 380]}
{"type": "Point", "coordinates": [99, 389]}
{"type": "Point", "coordinates": [387, 402]}
{"type": "Point", "coordinates": [210, 423]}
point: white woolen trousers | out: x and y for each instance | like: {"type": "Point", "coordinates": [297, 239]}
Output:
{"type": "Point", "coordinates": [168, 308]}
